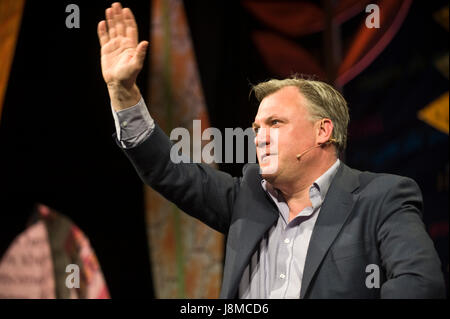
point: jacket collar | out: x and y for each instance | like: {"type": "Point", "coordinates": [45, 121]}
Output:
{"type": "Point", "coordinates": [333, 214]}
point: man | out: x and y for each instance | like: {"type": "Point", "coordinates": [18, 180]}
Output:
{"type": "Point", "coordinates": [301, 224]}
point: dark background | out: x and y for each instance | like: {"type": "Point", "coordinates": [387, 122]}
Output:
{"type": "Point", "coordinates": [57, 146]}
{"type": "Point", "coordinates": [55, 131]}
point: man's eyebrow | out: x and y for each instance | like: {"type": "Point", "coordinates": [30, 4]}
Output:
{"type": "Point", "coordinates": [268, 119]}
{"type": "Point", "coordinates": [275, 116]}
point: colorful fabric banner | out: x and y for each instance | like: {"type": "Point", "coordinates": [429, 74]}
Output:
{"type": "Point", "coordinates": [49, 253]}
{"type": "Point", "coordinates": [287, 22]}
{"type": "Point", "coordinates": [10, 18]}
{"type": "Point", "coordinates": [186, 255]}
{"type": "Point", "coordinates": [26, 269]}
{"type": "Point", "coordinates": [436, 113]}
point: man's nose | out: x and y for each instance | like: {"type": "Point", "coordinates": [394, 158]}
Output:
{"type": "Point", "coordinates": [262, 138]}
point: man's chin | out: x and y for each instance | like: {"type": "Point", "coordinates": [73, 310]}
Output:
{"type": "Point", "coordinates": [269, 167]}
{"type": "Point", "coordinates": [267, 173]}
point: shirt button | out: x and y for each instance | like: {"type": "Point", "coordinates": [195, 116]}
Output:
{"type": "Point", "coordinates": [124, 123]}
{"type": "Point", "coordinates": [286, 241]}
{"type": "Point", "coordinates": [282, 276]}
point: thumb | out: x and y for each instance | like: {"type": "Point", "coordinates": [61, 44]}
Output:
{"type": "Point", "coordinates": [141, 51]}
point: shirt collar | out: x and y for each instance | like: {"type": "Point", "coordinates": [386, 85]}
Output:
{"type": "Point", "coordinates": [323, 182]}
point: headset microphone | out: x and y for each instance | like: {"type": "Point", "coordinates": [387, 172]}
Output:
{"type": "Point", "coordinates": [332, 140]}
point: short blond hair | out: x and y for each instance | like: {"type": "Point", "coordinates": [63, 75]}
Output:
{"type": "Point", "coordinates": [324, 101]}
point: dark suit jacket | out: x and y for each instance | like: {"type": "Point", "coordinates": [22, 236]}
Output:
{"type": "Point", "coordinates": [366, 218]}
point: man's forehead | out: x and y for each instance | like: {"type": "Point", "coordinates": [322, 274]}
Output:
{"type": "Point", "coordinates": [287, 95]}
{"type": "Point", "coordinates": [289, 90]}
{"type": "Point", "coordinates": [286, 100]}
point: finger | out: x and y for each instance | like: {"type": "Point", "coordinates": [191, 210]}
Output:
{"type": "Point", "coordinates": [102, 33]}
{"type": "Point", "coordinates": [118, 19]}
{"type": "Point", "coordinates": [131, 30]}
{"type": "Point", "coordinates": [110, 21]}
{"type": "Point", "coordinates": [141, 51]}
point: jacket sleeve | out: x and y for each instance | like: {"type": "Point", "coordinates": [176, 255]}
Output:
{"type": "Point", "coordinates": [198, 189]}
{"type": "Point", "coordinates": [412, 266]}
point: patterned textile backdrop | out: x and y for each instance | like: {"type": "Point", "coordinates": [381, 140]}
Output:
{"type": "Point", "coordinates": [10, 17]}
{"type": "Point", "coordinates": [186, 255]}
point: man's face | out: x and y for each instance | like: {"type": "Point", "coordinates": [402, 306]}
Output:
{"type": "Point", "coordinates": [284, 129]}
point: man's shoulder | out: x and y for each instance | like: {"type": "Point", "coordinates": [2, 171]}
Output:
{"type": "Point", "coordinates": [380, 182]}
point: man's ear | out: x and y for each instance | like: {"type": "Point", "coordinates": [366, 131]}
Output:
{"type": "Point", "coordinates": [325, 131]}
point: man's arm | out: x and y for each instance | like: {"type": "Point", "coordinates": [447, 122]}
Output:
{"type": "Point", "coordinates": [412, 266]}
{"type": "Point", "coordinates": [198, 189]}
{"type": "Point", "coordinates": [122, 57]}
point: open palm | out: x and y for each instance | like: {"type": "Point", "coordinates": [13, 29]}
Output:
{"type": "Point", "coordinates": [122, 56]}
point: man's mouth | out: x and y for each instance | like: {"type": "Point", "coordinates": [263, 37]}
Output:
{"type": "Point", "coordinates": [266, 157]}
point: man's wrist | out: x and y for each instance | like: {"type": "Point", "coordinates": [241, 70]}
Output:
{"type": "Point", "coordinates": [122, 97]}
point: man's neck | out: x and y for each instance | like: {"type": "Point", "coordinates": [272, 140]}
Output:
{"type": "Point", "coordinates": [296, 193]}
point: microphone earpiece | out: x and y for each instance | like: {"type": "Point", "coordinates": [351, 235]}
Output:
{"type": "Point", "coordinates": [331, 140]}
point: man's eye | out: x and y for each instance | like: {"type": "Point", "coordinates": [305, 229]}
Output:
{"type": "Point", "coordinates": [275, 122]}
{"type": "Point", "coordinates": [256, 129]}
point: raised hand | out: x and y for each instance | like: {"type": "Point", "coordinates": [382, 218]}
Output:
{"type": "Point", "coordinates": [122, 56]}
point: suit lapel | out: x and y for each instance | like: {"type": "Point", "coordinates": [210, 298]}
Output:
{"type": "Point", "coordinates": [259, 214]}
{"type": "Point", "coordinates": [336, 208]}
